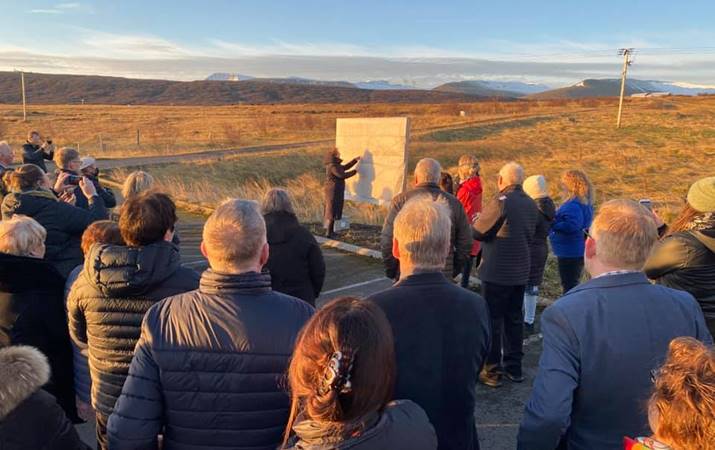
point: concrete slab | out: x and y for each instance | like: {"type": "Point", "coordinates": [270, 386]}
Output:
{"type": "Point", "coordinates": [382, 145]}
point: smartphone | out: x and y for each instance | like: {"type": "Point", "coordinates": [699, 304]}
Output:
{"type": "Point", "coordinates": [73, 180]}
{"type": "Point", "coordinates": [647, 203]}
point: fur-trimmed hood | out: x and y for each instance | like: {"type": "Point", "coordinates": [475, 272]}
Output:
{"type": "Point", "coordinates": [23, 370]}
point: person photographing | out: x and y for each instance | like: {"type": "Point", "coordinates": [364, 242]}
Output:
{"type": "Point", "coordinates": [36, 151]}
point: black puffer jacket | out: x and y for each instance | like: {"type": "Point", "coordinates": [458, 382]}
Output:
{"type": "Point", "coordinates": [403, 424]}
{"type": "Point", "coordinates": [539, 248]}
{"type": "Point", "coordinates": [30, 418]}
{"type": "Point", "coordinates": [64, 223]}
{"type": "Point", "coordinates": [507, 227]}
{"type": "Point", "coordinates": [32, 313]}
{"type": "Point", "coordinates": [107, 304]}
{"type": "Point", "coordinates": [33, 154]}
{"type": "Point", "coordinates": [209, 368]}
{"type": "Point", "coordinates": [461, 234]}
{"type": "Point", "coordinates": [107, 195]}
{"type": "Point", "coordinates": [296, 262]}
{"type": "Point", "coordinates": [686, 261]}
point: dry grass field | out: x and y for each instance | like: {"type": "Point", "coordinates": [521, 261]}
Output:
{"type": "Point", "coordinates": [111, 131]}
{"type": "Point", "coordinates": [664, 145]}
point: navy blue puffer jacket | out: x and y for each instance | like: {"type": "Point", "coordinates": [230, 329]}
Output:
{"type": "Point", "coordinates": [208, 369]}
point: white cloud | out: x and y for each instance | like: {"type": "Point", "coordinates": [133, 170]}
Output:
{"type": "Point", "coordinates": [45, 11]}
{"type": "Point", "coordinates": [70, 5]}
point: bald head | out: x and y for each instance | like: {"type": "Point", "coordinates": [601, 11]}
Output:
{"type": "Point", "coordinates": [6, 154]}
{"type": "Point", "coordinates": [510, 174]}
{"type": "Point", "coordinates": [428, 170]}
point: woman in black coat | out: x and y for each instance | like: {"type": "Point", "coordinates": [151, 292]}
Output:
{"type": "Point", "coordinates": [336, 174]}
{"type": "Point", "coordinates": [32, 195]}
{"type": "Point", "coordinates": [32, 306]}
{"type": "Point", "coordinates": [295, 260]}
{"type": "Point", "coordinates": [30, 417]}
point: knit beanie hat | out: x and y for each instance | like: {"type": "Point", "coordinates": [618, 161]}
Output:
{"type": "Point", "coordinates": [701, 195]}
{"type": "Point", "coordinates": [535, 187]}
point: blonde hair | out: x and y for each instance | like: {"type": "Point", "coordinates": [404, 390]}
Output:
{"type": "Point", "coordinates": [578, 186]}
{"type": "Point", "coordinates": [64, 156]}
{"type": "Point", "coordinates": [234, 234]}
{"type": "Point", "coordinates": [21, 236]}
{"type": "Point", "coordinates": [277, 200]}
{"type": "Point", "coordinates": [423, 230]}
{"type": "Point", "coordinates": [137, 182]}
{"type": "Point", "coordinates": [624, 232]}
{"type": "Point", "coordinates": [468, 167]}
{"type": "Point", "coordinates": [682, 406]}
{"type": "Point", "coordinates": [428, 170]}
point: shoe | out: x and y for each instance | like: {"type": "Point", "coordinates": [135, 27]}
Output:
{"type": "Point", "coordinates": [528, 329]}
{"type": "Point", "coordinates": [490, 379]}
{"type": "Point", "coordinates": [514, 378]}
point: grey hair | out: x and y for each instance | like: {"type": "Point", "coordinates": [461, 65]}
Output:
{"type": "Point", "coordinates": [468, 167]}
{"type": "Point", "coordinates": [423, 231]}
{"type": "Point", "coordinates": [234, 234]}
{"type": "Point", "coordinates": [21, 235]}
{"type": "Point", "coordinates": [136, 183]}
{"type": "Point", "coordinates": [428, 170]}
{"type": "Point", "coordinates": [277, 200]}
{"type": "Point", "coordinates": [5, 148]}
{"type": "Point", "coordinates": [512, 173]}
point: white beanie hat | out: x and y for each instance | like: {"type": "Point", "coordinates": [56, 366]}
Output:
{"type": "Point", "coordinates": [535, 187]}
{"type": "Point", "coordinates": [86, 162]}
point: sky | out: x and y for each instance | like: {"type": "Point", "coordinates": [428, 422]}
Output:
{"type": "Point", "coordinates": [418, 43]}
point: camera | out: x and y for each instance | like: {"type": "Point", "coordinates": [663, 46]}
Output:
{"type": "Point", "coordinates": [49, 141]}
{"type": "Point", "coordinates": [73, 180]}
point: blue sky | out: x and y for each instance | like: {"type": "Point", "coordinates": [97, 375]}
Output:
{"type": "Point", "coordinates": [412, 42]}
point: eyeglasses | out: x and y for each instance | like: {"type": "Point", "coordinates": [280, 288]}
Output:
{"type": "Point", "coordinates": [586, 234]}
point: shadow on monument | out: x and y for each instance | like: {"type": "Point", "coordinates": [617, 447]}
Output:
{"type": "Point", "coordinates": [366, 176]}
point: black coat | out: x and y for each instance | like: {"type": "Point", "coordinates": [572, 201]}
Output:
{"type": "Point", "coordinates": [507, 227]}
{"type": "Point", "coordinates": [539, 248]}
{"type": "Point", "coordinates": [686, 261]}
{"type": "Point", "coordinates": [296, 262]}
{"type": "Point", "coordinates": [460, 238]}
{"type": "Point", "coordinates": [107, 195]}
{"type": "Point", "coordinates": [33, 154]}
{"type": "Point", "coordinates": [32, 313]}
{"type": "Point", "coordinates": [209, 368]}
{"type": "Point", "coordinates": [442, 337]}
{"type": "Point", "coordinates": [335, 176]}
{"type": "Point", "coordinates": [402, 425]}
{"type": "Point", "coordinates": [64, 224]}
{"type": "Point", "coordinates": [108, 301]}
{"type": "Point", "coordinates": [30, 418]}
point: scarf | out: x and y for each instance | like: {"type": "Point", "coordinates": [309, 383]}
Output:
{"type": "Point", "coordinates": [313, 433]}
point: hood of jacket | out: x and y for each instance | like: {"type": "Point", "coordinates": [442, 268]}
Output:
{"type": "Point", "coordinates": [707, 238]}
{"type": "Point", "coordinates": [26, 202]}
{"type": "Point", "coordinates": [546, 207]}
{"type": "Point", "coordinates": [118, 271]}
{"type": "Point", "coordinates": [23, 370]}
{"type": "Point", "coordinates": [20, 273]}
{"type": "Point", "coordinates": [280, 227]}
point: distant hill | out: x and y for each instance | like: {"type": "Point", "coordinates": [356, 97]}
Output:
{"type": "Point", "coordinates": [372, 84]}
{"type": "Point", "coordinates": [612, 88]}
{"type": "Point", "coordinates": [64, 89]}
{"type": "Point", "coordinates": [513, 89]}
{"type": "Point", "coordinates": [224, 76]}
{"type": "Point", "coordinates": [381, 85]}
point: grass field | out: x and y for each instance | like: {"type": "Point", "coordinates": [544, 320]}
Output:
{"type": "Point", "coordinates": [664, 145]}
{"type": "Point", "coordinates": [111, 131]}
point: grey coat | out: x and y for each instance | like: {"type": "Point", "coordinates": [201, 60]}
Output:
{"type": "Point", "coordinates": [461, 234]}
{"type": "Point", "coordinates": [507, 227]}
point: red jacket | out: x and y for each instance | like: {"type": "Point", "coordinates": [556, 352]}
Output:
{"type": "Point", "coordinates": [469, 194]}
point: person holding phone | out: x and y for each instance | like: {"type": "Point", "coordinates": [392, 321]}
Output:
{"type": "Point", "coordinates": [36, 151]}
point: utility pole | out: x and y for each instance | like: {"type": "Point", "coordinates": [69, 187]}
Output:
{"type": "Point", "coordinates": [626, 52]}
{"type": "Point", "coordinates": [22, 88]}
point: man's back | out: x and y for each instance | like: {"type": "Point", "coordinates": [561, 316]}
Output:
{"type": "Point", "coordinates": [441, 339]}
{"type": "Point", "coordinates": [601, 342]}
{"type": "Point", "coordinates": [209, 364]}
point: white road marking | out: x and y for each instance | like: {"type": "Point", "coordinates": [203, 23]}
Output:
{"type": "Point", "coordinates": [344, 288]}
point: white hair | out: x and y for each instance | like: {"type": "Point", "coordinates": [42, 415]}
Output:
{"type": "Point", "coordinates": [234, 234]}
{"type": "Point", "coordinates": [423, 231]}
{"type": "Point", "coordinates": [512, 173]}
{"type": "Point", "coordinates": [5, 149]}
{"type": "Point", "coordinates": [22, 236]}
{"type": "Point", "coordinates": [428, 170]}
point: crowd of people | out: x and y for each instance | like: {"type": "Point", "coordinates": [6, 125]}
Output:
{"type": "Point", "coordinates": [100, 321]}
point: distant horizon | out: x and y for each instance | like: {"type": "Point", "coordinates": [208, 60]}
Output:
{"type": "Point", "coordinates": [414, 43]}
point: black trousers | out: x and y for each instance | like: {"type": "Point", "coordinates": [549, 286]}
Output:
{"type": "Point", "coordinates": [507, 321]}
{"type": "Point", "coordinates": [570, 270]}
{"type": "Point", "coordinates": [102, 441]}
